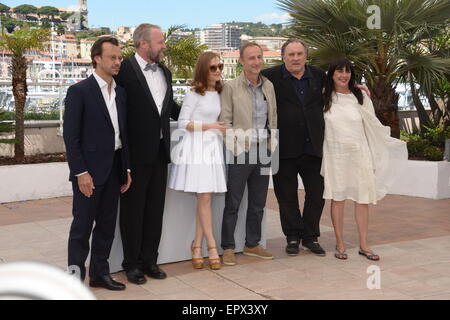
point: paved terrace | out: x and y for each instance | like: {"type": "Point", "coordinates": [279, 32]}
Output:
{"type": "Point", "coordinates": [412, 236]}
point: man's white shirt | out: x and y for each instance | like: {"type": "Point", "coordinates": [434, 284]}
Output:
{"type": "Point", "coordinates": [156, 82]}
{"type": "Point", "coordinates": [110, 101]}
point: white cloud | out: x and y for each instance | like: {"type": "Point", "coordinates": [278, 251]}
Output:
{"type": "Point", "coordinates": [269, 18]}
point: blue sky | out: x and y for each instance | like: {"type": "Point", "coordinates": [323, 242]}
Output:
{"type": "Point", "coordinates": [194, 13]}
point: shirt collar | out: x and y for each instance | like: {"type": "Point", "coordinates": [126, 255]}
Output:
{"type": "Point", "coordinates": [260, 83]}
{"type": "Point", "coordinates": [307, 75]}
{"type": "Point", "coordinates": [102, 83]}
{"type": "Point", "coordinates": [142, 63]}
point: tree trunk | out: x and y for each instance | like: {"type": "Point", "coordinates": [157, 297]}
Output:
{"type": "Point", "coordinates": [19, 82]}
{"type": "Point", "coordinates": [424, 119]}
{"type": "Point", "coordinates": [385, 102]}
{"type": "Point", "coordinates": [436, 111]}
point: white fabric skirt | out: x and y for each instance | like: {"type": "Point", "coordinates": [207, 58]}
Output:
{"type": "Point", "coordinates": [198, 164]}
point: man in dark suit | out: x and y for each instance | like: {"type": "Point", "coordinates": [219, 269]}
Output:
{"type": "Point", "coordinates": [150, 104]}
{"type": "Point", "coordinates": [97, 150]}
{"type": "Point", "coordinates": [298, 89]}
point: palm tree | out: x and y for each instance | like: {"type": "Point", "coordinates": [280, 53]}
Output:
{"type": "Point", "coordinates": [182, 54]}
{"type": "Point", "coordinates": [18, 43]}
{"type": "Point", "coordinates": [383, 56]}
{"type": "Point", "coordinates": [436, 91]}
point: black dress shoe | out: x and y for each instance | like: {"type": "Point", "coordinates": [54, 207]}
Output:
{"type": "Point", "coordinates": [315, 248]}
{"type": "Point", "coordinates": [136, 276]}
{"type": "Point", "coordinates": [155, 272]}
{"type": "Point", "coordinates": [293, 248]}
{"type": "Point", "coordinates": [106, 282]}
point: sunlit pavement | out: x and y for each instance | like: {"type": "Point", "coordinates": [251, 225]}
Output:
{"type": "Point", "coordinates": [412, 236]}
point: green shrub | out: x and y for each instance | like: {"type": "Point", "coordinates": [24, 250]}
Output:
{"type": "Point", "coordinates": [53, 115]}
{"type": "Point", "coordinates": [435, 136]}
{"type": "Point", "coordinates": [417, 145]}
{"type": "Point", "coordinates": [433, 153]}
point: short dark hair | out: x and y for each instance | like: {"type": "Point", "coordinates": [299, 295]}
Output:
{"type": "Point", "coordinates": [247, 45]}
{"type": "Point", "coordinates": [293, 40]}
{"type": "Point", "coordinates": [97, 48]}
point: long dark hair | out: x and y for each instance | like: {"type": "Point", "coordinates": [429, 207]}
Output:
{"type": "Point", "coordinates": [341, 64]}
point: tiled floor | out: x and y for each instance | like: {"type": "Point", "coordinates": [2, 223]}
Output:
{"type": "Point", "coordinates": [412, 235]}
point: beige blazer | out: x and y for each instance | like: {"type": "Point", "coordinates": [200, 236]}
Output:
{"type": "Point", "coordinates": [237, 113]}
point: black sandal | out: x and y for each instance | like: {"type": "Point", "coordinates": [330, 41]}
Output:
{"type": "Point", "coordinates": [369, 255]}
{"type": "Point", "coordinates": [341, 255]}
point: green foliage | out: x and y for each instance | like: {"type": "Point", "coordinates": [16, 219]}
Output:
{"type": "Point", "coordinates": [435, 136]}
{"type": "Point", "coordinates": [433, 153]}
{"type": "Point", "coordinates": [24, 39]}
{"type": "Point", "coordinates": [10, 24]}
{"type": "Point", "coordinates": [4, 8]}
{"type": "Point", "coordinates": [416, 145]}
{"type": "Point", "coordinates": [90, 35]}
{"type": "Point", "coordinates": [182, 54]}
{"type": "Point", "coordinates": [48, 11]}
{"type": "Point", "coordinates": [429, 144]}
{"type": "Point", "coordinates": [25, 9]}
{"type": "Point", "coordinates": [65, 15]}
{"type": "Point", "coordinates": [53, 115]}
{"type": "Point", "coordinates": [6, 126]}
{"type": "Point", "coordinates": [260, 29]}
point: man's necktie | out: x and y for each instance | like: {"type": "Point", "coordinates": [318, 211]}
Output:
{"type": "Point", "coordinates": [151, 66]}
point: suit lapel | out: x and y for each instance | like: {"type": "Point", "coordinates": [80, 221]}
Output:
{"type": "Point", "coordinates": [97, 93]}
{"type": "Point", "coordinates": [143, 81]}
{"type": "Point", "coordinates": [169, 85]}
{"type": "Point", "coordinates": [120, 110]}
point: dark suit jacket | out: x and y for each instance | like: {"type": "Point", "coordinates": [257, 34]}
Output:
{"type": "Point", "coordinates": [89, 133]}
{"type": "Point", "coordinates": [291, 112]}
{"type": "Point", "coordinates": [144, 121]}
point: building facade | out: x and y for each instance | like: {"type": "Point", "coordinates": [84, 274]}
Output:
{"type": "Point", "coordinates": [221, 36]}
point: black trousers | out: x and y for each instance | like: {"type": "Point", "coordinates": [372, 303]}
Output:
{"type": "Point", "coordinates": [296, 226]}
{"type": "Point", "coordinates": [141, 213]}
{"type": "Point", "coordinates": [101, 208]}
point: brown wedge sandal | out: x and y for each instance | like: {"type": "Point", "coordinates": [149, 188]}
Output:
{"type": "Point", "coordinates": [214, 263]}
{"type": "Point", "coordinates": [197, 263]}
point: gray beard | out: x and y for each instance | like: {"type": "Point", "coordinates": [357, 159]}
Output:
{"type": "Point", "coordinates": [155, 58]}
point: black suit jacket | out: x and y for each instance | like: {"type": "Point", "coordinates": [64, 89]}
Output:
{"type": "Point", "coordinates": [89, 133]}
{"type": "Point", "coordinates": [291, 112]}
{"type": "Point", "coordinates": [144, 121]}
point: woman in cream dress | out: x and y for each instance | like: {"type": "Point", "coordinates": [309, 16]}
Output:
{"type": "Point", "coordinates": [198, 162]}
{"type": "Point", "coordinates": [358, 153]}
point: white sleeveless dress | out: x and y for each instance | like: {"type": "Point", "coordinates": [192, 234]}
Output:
{"type": "Point", "coordinates": [198, 159]}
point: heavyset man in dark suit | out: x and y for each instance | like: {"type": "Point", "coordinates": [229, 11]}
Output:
{"type": "Point", "coordinates": [95, 134]}
{"type": "Point", "coordinates": [298, 89]}
{"type": "Point", "coordinates": [150, 106]}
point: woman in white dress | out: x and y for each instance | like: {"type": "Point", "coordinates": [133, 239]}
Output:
{"type": "Point", "coordinates": [358, 153]}
{"type": "Point", "coordinates": [198, 162]}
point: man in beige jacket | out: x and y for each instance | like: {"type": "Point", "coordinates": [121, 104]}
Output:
{"type": "Point", "coordinates": [249, 109]}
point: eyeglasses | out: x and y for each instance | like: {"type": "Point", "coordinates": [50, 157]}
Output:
{"type": "Point", "coordinates": [214, 68]}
